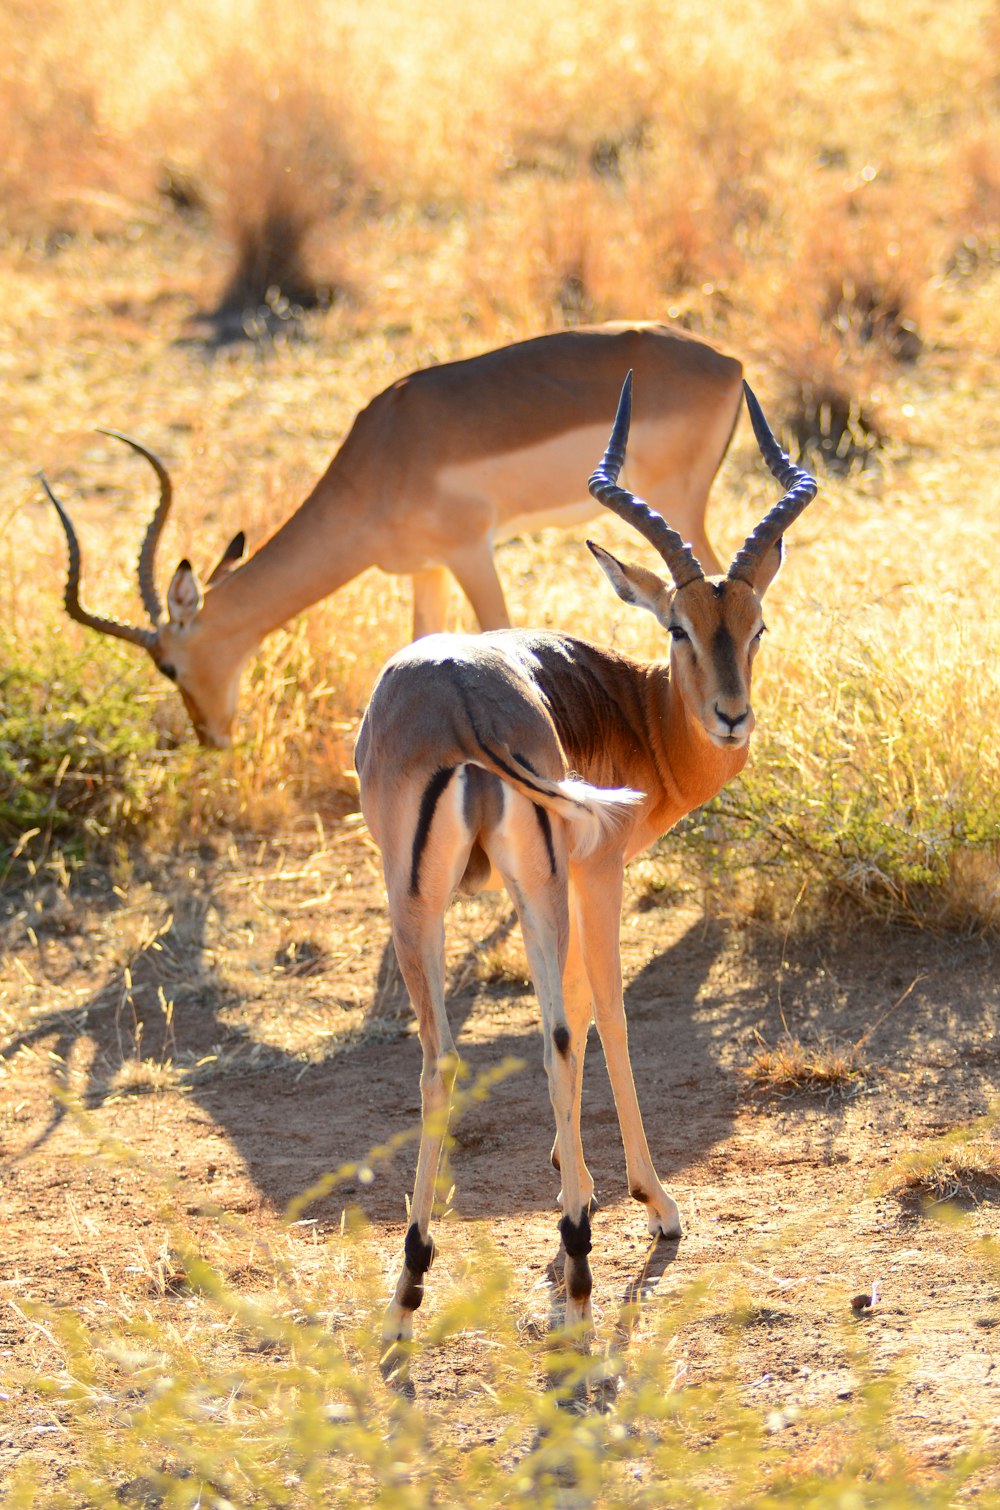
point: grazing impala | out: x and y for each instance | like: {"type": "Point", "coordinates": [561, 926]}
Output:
{"type": "Point", "coordinates": [544, 763]}
{"type": "Point", "coordinates": [433, 473]}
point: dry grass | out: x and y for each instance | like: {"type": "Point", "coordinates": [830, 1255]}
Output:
{"type": "Point", "coordinates": [790, 1066]}
{"type": "Point", "coordinates": [473, 182]}
{"type": "Point", "coordinates": [962, 1166]}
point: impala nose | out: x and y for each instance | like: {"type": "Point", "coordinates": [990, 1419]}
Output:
{"type": "Point", "coordinates": [731, 722]}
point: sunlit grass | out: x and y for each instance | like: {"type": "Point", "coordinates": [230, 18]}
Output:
{"type": "Point", "coordinates": [475, 182]}
{"type": "Point", "coordinates": [961, 1166]}
{"type": "Point", "coordinates": [791, 1065]}
{"type": "Point", "coordinates": [233, 1368]}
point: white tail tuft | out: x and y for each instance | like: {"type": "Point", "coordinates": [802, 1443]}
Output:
{"type": "Point", "coordinates": [596, 813]}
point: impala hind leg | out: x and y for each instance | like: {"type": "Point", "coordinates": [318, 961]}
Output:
{"type": "Point", "coordinates": [578, 1007]}
{"type": "Point", "coordinates": [424, 860]}
{"type": "Point", "coordinates": [419, 944]}
{"type": "Point", "coordinates": [528, 848]}
{"type": "Point", "coordinates": [598, 897]}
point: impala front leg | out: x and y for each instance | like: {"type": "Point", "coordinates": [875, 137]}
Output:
{"type": "Point", "coordinates": [476, 574]}
{"type": "Point", "coordinates": [598, 891]}
{"type": "Point", "coordinates": [431, 597]}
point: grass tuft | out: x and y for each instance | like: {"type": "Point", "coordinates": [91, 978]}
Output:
{"type": "Point", "coordinates": [962, 1166]}
{"type": "Point", "coordinates": [791, 1066]}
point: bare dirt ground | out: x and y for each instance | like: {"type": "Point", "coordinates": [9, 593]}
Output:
{"type": "Point", "coordinates": [214, 1014]}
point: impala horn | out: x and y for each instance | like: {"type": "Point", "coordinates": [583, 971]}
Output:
{"type": "Point", "coordinates": [147, 555]}
{"type": "Point", "coordinates": [147, 558]}
{"type": "Point", "coordinates": [800, 491]}
{"type": "Point", "coordinates": [679, 558]}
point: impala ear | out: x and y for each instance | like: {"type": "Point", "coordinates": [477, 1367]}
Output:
{"type": "Point", "coordinates": [184, 596]}
{"type": "Point", "coordinates": [633, 584]}
{"type": "Point", "coordinates": [234, 551]}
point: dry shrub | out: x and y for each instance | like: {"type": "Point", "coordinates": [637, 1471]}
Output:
{"type": "Point", "coordinates": [790, 1066]}
{"type": "Point", "coordinates": [963, 1165]}
{"type": "Point", "coordinates": [277, 169]}
{"type": "Point", "coordinates": [697, 207]}
{"type": "Point", "coordinates": [64, 168]}
{"type": "Point", "coordinates": [975, 174]}
{"type": "Point", "coordinates": [848, 315]}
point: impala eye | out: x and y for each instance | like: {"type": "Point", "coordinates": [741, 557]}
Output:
{"type": "Point", "coordinates": [676, 633]}
{"type": "Point", "coordinates": [169, 671]}
{"type": "Point", "coordinates": [762, 630]}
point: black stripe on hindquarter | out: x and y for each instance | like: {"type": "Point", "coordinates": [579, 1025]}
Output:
{"type": "Point", "coordinates": [428, 803]}
{"type": "Point", "coordinates": [508, 770]}
{"type": "Point", "coordinates": [545, 824]}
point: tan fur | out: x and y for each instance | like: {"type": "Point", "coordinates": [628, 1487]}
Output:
{"type": "Point", "coordinates": [440, 466]}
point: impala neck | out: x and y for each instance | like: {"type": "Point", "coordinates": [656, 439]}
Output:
{"type": "Point", "coordinates": [691, 767]}
{"type": "Point", "coordinates": [623, 722]}
{"type": "Point", "coordinates": [325, 543]}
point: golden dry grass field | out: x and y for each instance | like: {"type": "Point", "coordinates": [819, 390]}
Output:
{"type": "Point", "coordinates": [225, 227]}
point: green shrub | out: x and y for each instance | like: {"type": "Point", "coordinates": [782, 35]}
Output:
{"type": "Point", "coordinates": [194, 1394]}
{"type": "Point", "coordinates": [886, 798]}
{"type": "Point", "coordinates": [77, 765]}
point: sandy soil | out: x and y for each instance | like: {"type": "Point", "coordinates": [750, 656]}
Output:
{"type": "Point", "coordinates": [270, 960]}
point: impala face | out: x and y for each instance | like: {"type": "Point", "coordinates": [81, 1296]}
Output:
{"type": "Point", "coordinates": [715, 626]}
{"type": "Point", "coordinates": [209, 683]}
{"type": "Point", "coordinates": [716, 629]}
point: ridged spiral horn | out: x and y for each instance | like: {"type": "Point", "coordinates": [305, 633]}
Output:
{"type": "Point", "coordinates": [679, 558]}
{"type": "Point", "coordinates": [800, 491]}
{"type": "Point", "coordinates": [147, 555]}
{"type": "Point", "coordinates": [144, 637]}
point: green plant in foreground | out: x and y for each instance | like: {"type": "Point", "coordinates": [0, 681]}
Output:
{"type": "Point", "coordinates": [78, 758]}
{"type": "Point", "coordinates": [238, 1404]}
{"type": "Point", "coordinates": [217, 1399]}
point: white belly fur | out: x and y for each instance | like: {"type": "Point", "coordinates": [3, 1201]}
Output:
{"type": "Point", "coordinates": [536, 487]}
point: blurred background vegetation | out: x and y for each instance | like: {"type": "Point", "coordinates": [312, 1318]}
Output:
{"type": "Point", "coordinates": [223, 227]}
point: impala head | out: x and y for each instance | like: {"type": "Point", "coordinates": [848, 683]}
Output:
{"type": "Point", "coordinates": [715, 623]}
{"type": "Point", "coordinates": [205, 669]}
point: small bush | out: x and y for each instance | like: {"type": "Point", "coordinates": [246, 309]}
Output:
{"type": "Point", "coordinates": [890, 801]}
{"type": "Point", "coordinates": [77, 765]}
{"type": "Point", "coordinates": [792, 1066]}
{"type": "Point", "coordinates": [962, 1166]}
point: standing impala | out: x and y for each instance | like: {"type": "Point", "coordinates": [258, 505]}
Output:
{"type": "Point", "coordinates": [433, 473]}
{"type": "Point", "coordinates": [544, 763]}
